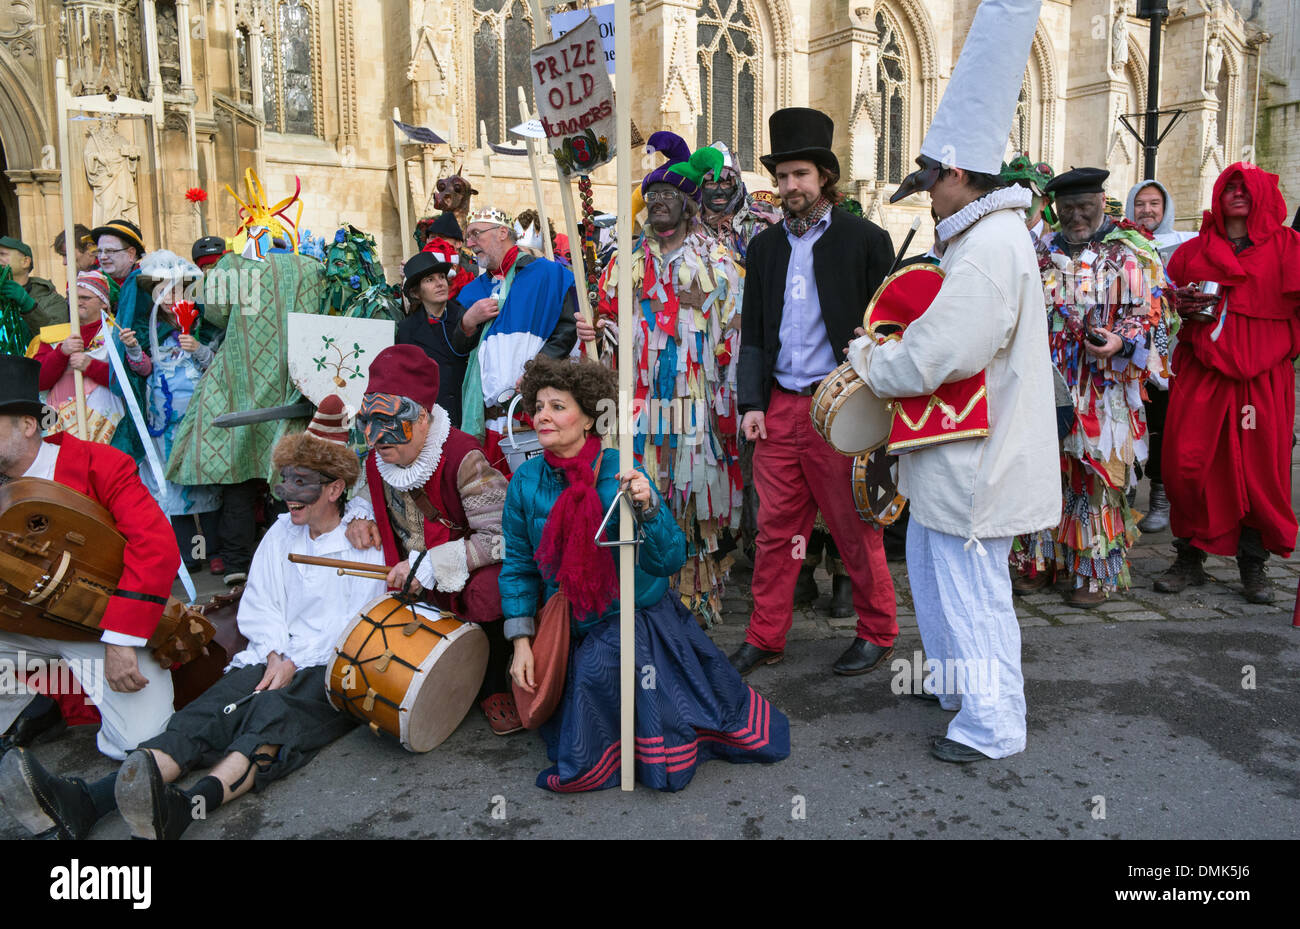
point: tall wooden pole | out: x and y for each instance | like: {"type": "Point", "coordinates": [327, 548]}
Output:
{"type": "Point", "coordinates": [487, 161]}
{"type": "Point", "coordinates": [626, 365]}
{"type": "Point", "coordinates": [524, 116]}
{"type": "Point", "coordinates": [403, 211]}
{"type": "Point", "coordinates": [70, 242]}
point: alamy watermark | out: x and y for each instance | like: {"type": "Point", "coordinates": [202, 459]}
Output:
{"type": "Point", "coordinates": [30, 675]}
{"type": "Point", "coordinates": [951, 676]}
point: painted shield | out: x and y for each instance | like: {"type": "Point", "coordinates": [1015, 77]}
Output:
{"type": "Point", "coordinates": [332, 355]}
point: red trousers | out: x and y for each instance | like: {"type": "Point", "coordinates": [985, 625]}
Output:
{"type": "Point", "coordinates": [797, 473]}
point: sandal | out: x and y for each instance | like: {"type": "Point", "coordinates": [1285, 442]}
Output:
{"type": "Point", "coordinates": [501, 713]}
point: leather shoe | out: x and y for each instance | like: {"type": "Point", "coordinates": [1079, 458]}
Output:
{"type": "Point", "coordinates": [43, 802]}
{"type": "Point", "coordinates": [1086, 599]}
{"type": "Point", "coordinates": [945, 749]}
{"type": "Point", "coordinates": [748, 657]}
{"type": "Point", "coordinates": [26, 729]}
{"type": "Point", "coordinates": [1024, 584]}
{"type": "Point", "coordinates": [152, 808]}
{"type": "Point", "coordinates": [862, 656]}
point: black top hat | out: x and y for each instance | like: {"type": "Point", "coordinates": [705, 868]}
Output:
{"type": "Point", "coordinates": [420, 266]}
{"type": "Point", "coordinates": [798, 133]}
{"type": "Point", "coordinates": [20, 377]}
{"type": "Point", "coordinates": [124, 229]}
{"type": "Point", "coordinates": [446, 227]}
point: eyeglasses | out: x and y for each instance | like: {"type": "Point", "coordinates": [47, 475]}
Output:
{"type": "Point", "coordinates": [662, 196]}
{"type": "Point", "coordinates": [112, 251]}
{"type": "Point", "coordinates": [474, 235]}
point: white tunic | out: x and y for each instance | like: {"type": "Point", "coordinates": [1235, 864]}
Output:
{"type": "Point", "coordinates": [301, 610]}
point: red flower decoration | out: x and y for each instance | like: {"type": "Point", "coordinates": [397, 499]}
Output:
{"type": "Point", "coordinates": [186, 314]}
{"type": "Point", "coordinates": [196, 195]}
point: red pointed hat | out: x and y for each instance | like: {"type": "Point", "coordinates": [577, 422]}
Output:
{"type": "Point", "coordinates": [329, 423]}
{"type": "Point", "coordinates": [407, 371]}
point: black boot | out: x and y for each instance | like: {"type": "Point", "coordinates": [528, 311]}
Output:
{"type": "Point", "coordinates": [40, 716]}
{"type": "Point", "coordinates": [805, 589]}
{"type": "Point", "coordinates": [43, 802]}
{"type": "Point", "coordinates": [1254, 580]}
{"type": "Point", "coordinates": [841, 596]}
{"type": "Point", "coordinates": [1187, 569]}
{"type": "Point", "coordinates": [153, 809]}
{"type": "Point", "coordinates": [1157, 518]}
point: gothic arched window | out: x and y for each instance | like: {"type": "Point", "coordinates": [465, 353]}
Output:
{"type": "Point", "coordinates": [242, 51]}
{"type": "Point", "coordinates": [1020, 126]}
{"type": "Point", "coordinates": [503, 37]}
{"type": "Point", "coordinates": [730, 49]}
{"type": "Point", "coordinates": [891, 85]}
{"type": "Point", "coordinates": [288, 78]}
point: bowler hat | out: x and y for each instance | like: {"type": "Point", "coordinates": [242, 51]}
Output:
{"type": "Point", "coordinates": [420, 266]}
{"type": "Point", "coordinates": [20, 377]}
{"type": "Point", "coordinates": [124, 229]}
{"type": "Point", "coordinates": [799, 133]}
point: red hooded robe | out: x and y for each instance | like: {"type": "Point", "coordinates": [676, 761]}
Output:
{"type": "Point", "coordinates": [1227, 440]}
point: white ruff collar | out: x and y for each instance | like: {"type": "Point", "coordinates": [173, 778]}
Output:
{"type": "Point", "coordinates": [418, 472]}
{"type": "Point", "coordinates": [1004, 198]}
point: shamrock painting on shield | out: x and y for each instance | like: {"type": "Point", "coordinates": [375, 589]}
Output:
{"type": "Point", "coordinates": [332, 355]}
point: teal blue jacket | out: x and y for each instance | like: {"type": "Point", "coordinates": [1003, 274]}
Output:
{"type": "Point", "coordinates": [532, 492]}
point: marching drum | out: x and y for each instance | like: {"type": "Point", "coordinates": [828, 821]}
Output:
{"type": "Point", "coordinates": [408, 670]}
{"type": "Point", "coordinates": [875, 488]}
{"type": "Point", "coordinates": [848, 415]}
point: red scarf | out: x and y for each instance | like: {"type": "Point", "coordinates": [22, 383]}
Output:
{"type": "Point", "coordinates": [569, 553]}
{"type": "Point", "coordinates": [507, 262]}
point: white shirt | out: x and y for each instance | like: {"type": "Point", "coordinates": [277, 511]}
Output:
{"type": "Point", "coordinates": [43, 467]}
{"type": "Point", "coordinates": [301, 610]}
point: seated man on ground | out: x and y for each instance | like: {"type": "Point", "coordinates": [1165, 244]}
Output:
{"type": "Point", "coordinates": [292, 616]}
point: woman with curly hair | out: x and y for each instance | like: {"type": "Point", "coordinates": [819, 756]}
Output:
{"type": "Point", "coordinates": [698, 707]}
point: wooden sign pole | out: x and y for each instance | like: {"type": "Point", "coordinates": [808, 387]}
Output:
{"type": "Point", "coordinates": [626, 366]}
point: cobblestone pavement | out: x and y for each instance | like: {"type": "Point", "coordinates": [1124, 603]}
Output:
{"type": "Point", "coordinates": [1153, 716]}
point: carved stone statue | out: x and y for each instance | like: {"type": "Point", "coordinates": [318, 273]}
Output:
{"type": "Point", "coordinates": [111, 163]}
{"type": "Point", "coordinates": [1119, 39]}
{"type": "Point", "coordinates": [1213, 64]}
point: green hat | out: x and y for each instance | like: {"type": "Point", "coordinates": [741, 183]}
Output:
{"type": "Point", "coordinates": [16, 244]}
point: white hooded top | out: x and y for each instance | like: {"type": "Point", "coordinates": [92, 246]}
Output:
{"type": "Point", "coordinates": [989, 316]}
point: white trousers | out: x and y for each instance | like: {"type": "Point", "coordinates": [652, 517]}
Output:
{"type": "Point", "coordinates": [969, 629]}
{"type": "Point", "coordinates": [128, 718]}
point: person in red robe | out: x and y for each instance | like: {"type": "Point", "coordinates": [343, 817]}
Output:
{"type": "Point", "coordinates": [1227, 451]}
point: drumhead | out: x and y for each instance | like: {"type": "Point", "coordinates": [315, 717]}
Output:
{"type": "Point", "coordinates": [860, 422]}
{"type": "Point", "coordinates": [449, 680]}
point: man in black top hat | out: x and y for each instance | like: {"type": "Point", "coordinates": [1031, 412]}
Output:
{"type": "Point", "coordinates": [434, 314]}
{"type": "Point", "coordinates": [808, 282]}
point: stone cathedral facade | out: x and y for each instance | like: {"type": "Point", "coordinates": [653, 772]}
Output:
{"type": "Point", "coordinates": [308, 89]}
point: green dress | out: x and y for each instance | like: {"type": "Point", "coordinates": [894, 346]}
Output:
{"type": "Point", "coordinates": [251, 371]}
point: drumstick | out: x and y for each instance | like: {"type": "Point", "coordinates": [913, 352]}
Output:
{"type": "Point", "coordinates": [898, 259]}
{"type": "Point", "coordinates": [373, 575]}
{"type": "Point", "coordinates": [335, 563]}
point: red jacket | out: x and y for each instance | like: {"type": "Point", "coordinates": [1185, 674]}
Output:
{"type": "Point", "coordinates": [151, 558]}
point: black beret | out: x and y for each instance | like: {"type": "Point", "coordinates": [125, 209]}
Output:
{"type": "Point", "coordinates": [1077, 181]}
